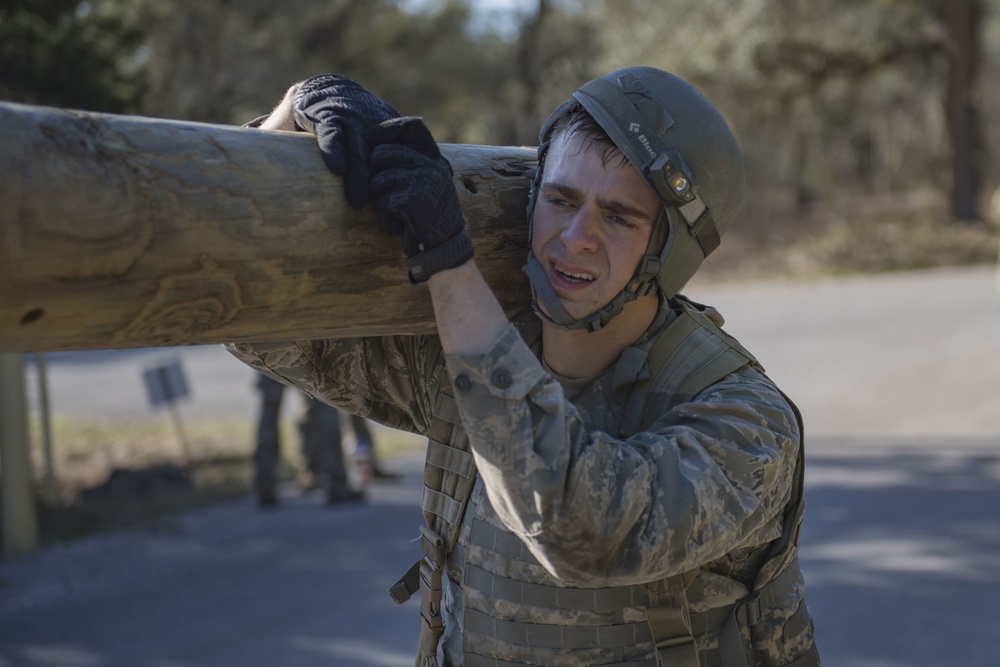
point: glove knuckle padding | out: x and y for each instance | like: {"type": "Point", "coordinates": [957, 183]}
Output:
{"type": "Point", "coordinates": [338, 111]}
{"type": "Point", "coordinates": [415, 196]}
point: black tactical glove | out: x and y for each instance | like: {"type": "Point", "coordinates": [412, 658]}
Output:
{"type": "Point", "coordinates": [338, 111]}
{"type": "Point", "coordinates": [416, 198]}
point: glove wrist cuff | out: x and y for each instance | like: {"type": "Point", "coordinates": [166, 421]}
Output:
{"type": "Point", "coordinates": [452, 253]}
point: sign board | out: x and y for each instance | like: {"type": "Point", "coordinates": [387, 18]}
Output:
{"type": "Point", "coordinates": [165, 383]}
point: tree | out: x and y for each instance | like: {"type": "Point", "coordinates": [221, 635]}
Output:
{"type": "Point", "coordinates": [72, 53]}
{"type": "Point", "coordinates": [828, 98]}
{"type": "Point", "coordinates": [226, 62]}
{"type": "Point", "coordinates": [963, 19]}
{"type": "Point", "coordinates": [554, 53]}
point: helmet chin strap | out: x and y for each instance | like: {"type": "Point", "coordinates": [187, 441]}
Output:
{"type": "Point", "coordinates": [543, 294]}
{"type": "Point", "coordinates": [546, 304]}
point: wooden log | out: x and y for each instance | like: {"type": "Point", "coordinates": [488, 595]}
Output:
{"type": "Point", "coordinates": [121, 231]}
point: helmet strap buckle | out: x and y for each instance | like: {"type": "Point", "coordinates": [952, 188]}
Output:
{"type": "Point", "coordinates": [649, 266]}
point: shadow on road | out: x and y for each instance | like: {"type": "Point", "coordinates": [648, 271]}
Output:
{"type": "Point", "coordinates": [901, 551]}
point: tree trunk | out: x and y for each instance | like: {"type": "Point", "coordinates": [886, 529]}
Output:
{"type": "Point", "coordinates": [127, 232]}
{"type": "Point", "coordinates": [963, 19]}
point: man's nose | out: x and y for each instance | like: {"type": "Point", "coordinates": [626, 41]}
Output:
{"type": "Point", "coordinates": [581, 231]}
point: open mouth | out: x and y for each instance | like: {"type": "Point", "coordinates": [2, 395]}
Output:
{"type": "Point", "coordinates": [580, 278]}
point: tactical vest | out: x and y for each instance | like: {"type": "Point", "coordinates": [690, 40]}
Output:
{"type": "Point", "coordinates": [691, 355]}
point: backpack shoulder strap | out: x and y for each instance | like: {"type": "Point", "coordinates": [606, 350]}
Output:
{"type": "Point", "coordinates": [691, 355]}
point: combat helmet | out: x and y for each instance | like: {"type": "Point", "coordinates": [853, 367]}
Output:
{"type": "Point", "coordinates": [684, 148]}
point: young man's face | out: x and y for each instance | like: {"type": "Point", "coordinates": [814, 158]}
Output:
{"type": "Point", "coordinates": [592, 223]}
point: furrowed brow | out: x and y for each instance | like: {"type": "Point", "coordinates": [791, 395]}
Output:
{"type": "Point", "coordinates": [624, 209]}
{"type": "Point", "coordinates": [564, 190]}
{"type": "Point", "coordinates": [612, 206]}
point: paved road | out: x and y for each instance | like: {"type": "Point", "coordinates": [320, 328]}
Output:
{"type": "Point", "coordinates": [897, 377]}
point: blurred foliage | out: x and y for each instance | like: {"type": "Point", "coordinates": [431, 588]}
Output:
{"type": "Point", "coordinates": [826, 97]}
{"type": "Point", "coordinates": [72, 54]}
{"type": "Point", "coordinates": [830, 100]}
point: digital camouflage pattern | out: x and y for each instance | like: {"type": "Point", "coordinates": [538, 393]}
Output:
{"type": "Point", "coordinates": [568, 517]}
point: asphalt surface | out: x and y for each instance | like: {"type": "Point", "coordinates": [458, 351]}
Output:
{"type": "Point", "coordinates": [897, 377]}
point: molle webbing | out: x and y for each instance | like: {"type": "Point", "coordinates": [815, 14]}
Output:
{"type": "Point", "coordinates": [691, 355]}
{"type": "Point", "coordinates": [450, 468]}
{"type": "Point", "coordinates": [454, 462]}
{"type": "Point", "coordinates": [449, 475]}
{"type": "Point", "coordinates": [600, 600]}
{"type": "Point", "coordinates": [474, 660]}
{"type": "Point", "coordinates": [555, 636]}
{"type": "Point", "coordinates": [599, 625]}
{"type": "Point", "coordinates": [450, 471]}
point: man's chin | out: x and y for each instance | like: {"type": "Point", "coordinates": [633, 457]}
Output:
{"type": "Point", "coordinates": [575, 309]}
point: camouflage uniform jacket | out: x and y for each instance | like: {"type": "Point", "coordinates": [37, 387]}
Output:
{"type": "Point", "coordinates": [563, 502]}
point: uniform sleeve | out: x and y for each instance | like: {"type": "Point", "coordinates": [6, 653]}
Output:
{"type": "Point", "coordinates": [385, 379]}
{"type": "Point", "coordinates": [708, 476]}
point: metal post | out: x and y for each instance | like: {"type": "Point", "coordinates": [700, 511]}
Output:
{"type": "Point", "coordinates": [49, 489]}
{"type": "Point", "coordinates": [20, 516]}
{"type": "Point", "coordinates": [175, 416]}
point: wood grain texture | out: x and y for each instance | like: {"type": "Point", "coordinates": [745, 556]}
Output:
{"type": "Point", "coordinates": [120, 231]}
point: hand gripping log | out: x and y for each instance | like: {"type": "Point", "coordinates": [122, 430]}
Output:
{"type": "Point", "coordinates": [120, 231]}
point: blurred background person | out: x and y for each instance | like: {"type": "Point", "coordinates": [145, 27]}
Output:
{"type": "Point", "coordinates": [322, 463]}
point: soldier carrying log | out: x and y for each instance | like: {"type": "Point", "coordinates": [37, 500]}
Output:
{"type": "Point", "coordinates": [611, 479]}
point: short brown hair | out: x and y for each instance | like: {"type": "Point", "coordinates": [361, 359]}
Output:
{"type": "Point", "coordinates": [577, 120]}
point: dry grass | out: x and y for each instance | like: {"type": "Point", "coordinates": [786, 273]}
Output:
{"type": "Point", "coordinates": [87, 449]}
{"type": "Point", "coordinates": [78, 501]}
{"type": "Point", "coordinates": [877, 234]}
{"type": "Point", "coordinates": [162, 479]}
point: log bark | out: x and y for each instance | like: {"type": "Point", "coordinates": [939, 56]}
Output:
{"type": "Point", "coordinates": [120, 231]}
